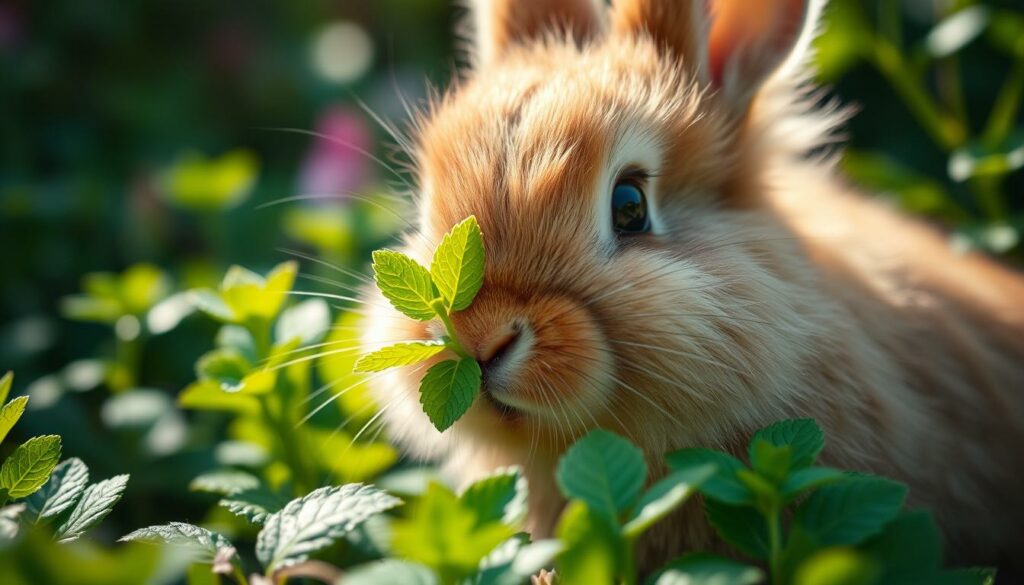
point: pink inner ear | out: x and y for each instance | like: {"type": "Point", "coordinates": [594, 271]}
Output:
{"type": "Point", "coordinates": [742, 29]}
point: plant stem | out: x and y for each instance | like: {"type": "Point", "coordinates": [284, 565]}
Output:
{"type": "Point", "coordinates": [453, 343]}
{"type": "Point", "coordinates": [1007, 105]}
{"type": "Point", "coordinates": [948, 132]}
{"type": "Point", "coordinates": [775, 543]}
{"type": "Point", "coordinates": [629, 562]}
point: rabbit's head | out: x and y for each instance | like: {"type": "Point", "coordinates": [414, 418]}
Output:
{"type": "Point", "coordinates": [616, 159]}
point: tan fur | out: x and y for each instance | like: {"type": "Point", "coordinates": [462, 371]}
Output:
{"type": "Point", "coordinates": [772, 290]}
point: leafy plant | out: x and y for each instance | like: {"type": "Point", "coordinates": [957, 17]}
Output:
{"type": "Point", "coordinates": [48, 490]}
{"type": "Point", "coordinates": [456, 274]}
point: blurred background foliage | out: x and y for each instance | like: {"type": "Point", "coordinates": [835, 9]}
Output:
{"type": "Point", "coordinates": [148, 146]}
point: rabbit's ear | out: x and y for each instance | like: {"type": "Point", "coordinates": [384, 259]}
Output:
{"type": "Point", "coordinates": [732, 44]}
{"type": "Point", "coordinates": [500, 24]}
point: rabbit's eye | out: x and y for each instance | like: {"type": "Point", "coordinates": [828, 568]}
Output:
{"type": "Point", "coordinates": [629, 209]}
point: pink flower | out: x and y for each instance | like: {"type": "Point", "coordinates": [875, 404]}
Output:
{"type": "Point", "coordinates": [336, 163]}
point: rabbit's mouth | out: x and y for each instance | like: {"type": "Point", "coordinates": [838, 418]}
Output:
{"type": "Point", "coordinates": [505, 411]}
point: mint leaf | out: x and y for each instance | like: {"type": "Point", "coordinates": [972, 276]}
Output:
{"type": "Point", "coordinates": [458, 265]}
{"type": "Point", "coordinates": [448, 389]}
{"type": "Point", "coordinates": [405, 283]}
{"type": "Point", "coordinates": [705, 569]}
{"type": "Point", "coordinates": [741, 526]}
{"type": "Point", "coordinates": [592, 548]}
{"type": "Point", "coordinates": [28, 468]}
{"type": "Point", "coordinates": [802, 435]}
{"type": "Point", "coordinates": [809, 478]}
{"type": "Point", "coordinates": [604, 470]}
{"type": "Point", "coordinates": [724, 485]}
{"type": "Point", "coordinates": [5, 386]}
{"type": "Point", "coordinates": [10, 414]}
{"type": "Point", "coordinates": [500, 497]}
{"type": "Point", "coordinates": [255, 505]}
{"type": "Point", "coordinates": [97, 501]}
{"type": "Point", "coordinates": [66, 484]}
{"type": "Point", "coordinates": [847, 513]}
{"type": "Point", "coordinates": [224, 482]}
{"type": "Point", "coordinates": [315, 521]}
{"type": "Point", "coordinates": [205, 544]}
{"type": "Point", "coordinates": [770, 461]}
{"type": "Point", "coordinates": [664, 496]}
{"type": "Point", "coordinates": [390, 572]}
{"type": "Point", "coordinates": [10, 522]}
{"type": "Point", "coordinates": [400, 354]}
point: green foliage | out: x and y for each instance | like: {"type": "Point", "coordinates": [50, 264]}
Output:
{"type": "Point", "coordinates": [448, 388]}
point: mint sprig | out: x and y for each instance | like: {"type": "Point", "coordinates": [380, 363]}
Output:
{"type": "Point", "coordinates": [455, 276]}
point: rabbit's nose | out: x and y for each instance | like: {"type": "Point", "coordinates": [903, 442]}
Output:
{"type": "Point", "coordinates": [505, 350]}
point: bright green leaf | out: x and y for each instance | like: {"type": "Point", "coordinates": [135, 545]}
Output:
{"type": "Point", "coordinates": [208, 395]}
{"type": "Point", "coordinates": [400, 354]}
{"type": "Point", "coordinates": [592, 548]}
{"type": "Point", "coordinates": [211, 303]}
{"type": "Point", "coordinates": [770, 461]}
{"type": "Point", "coordinates": [849, 512]}
{"type": "Point", "coordinates": [5, 386]}
{"type": "Point", "coordinates": [227, 367]}
{"type": "Point", "coordinates": [29, 467]}
{"type": "Point", "coordinates": [604, 470]}
{"type": "Point", "coordinates": [199, 183]}
{"type": "Point", "coordinates": [500, 497]}
{"type": "Point", "coordinates": [448, 389]}
{"type": "Point", "coordinates": [10, 413]}
{"type": "Point", "coordinates": [66, 484]}
{"type": "Point", "coordinates": [307, 321]}
{"type": "Point", "coordinates": [405, 283]}
{"type": "Point", "coordinates": [390, 572]}
{"type": "Point", "coordinates": [458, 265]}
{"type": "Point", "coordinates": [97, 501]}
{"type": "Point", "coordinates": [802, 435]}
{"type": "Point", "coordinates": [443, 533]}
{"type": "Point", "coordinates": [665, 496]}
{"type": "Point", "coordinates": [724, 486]}
{"type": "Point", "coordinates": [315, 521]}
{"type": "Point", "coordinates": [704, 569]}
{"type": "Point", "coordinates": [837, 566]}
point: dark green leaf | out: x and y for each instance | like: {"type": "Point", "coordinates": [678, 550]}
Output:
{"type": "Point", "coordinates": [704, 569]}
{"type": "Point", "coordinates": [724, 486]}
{"type": "Point", "coordinates": [604, 470]}
{"type": "Point", "coordinates": [847, 513]}
{"type": "Point", "coordinates": [740, 526]}
{"type": "Point", "coordinates": [802, 435]}
{"type": "Point", "coordinates": [448, 389]}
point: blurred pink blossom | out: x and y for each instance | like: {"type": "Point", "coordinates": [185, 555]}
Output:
{"type": "Point", "coordinates": [334, 165]}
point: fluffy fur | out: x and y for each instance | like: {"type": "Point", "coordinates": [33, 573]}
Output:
{"type": "Point", "coordinates": [769, 288]}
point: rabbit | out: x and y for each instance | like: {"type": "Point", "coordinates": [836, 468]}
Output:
{"type": "Point", "coordinates": [670, 257]}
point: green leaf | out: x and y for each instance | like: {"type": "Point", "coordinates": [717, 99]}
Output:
{"type": "Point", "coordinates": [307, 321]}
{"type": "Point", "coordinates": [208, 395]}
{"type": "Point", "coordinates": [909, 547]}
{"type": "Point", "coordinates": [604, 470]}
{"type": "Point", "coordinates": [400, 354]}
{"type": "Point", "coordinates": [665, 496]}
{"type": "Point", "coordinates": [740, 526]}
{"type": "Point", "coordinates": [770, 461]}
{"type": "Point", "coordinates": [28, 468]}
{"type": "Point", "coordinates": [390, 572]}
{"type": "Point", "coordinates": [448, 389]}
{"type": "Point", "coordinates": [10, 522]}
{"type": "Point", "coordinates": [458, 265]}
{"type": "Point", "coordinates": [500, 497]}
{"type": "Point", "coordinates": [405, 283]}
{"type": "Point", "coordinates": [724, 486]}
{"type": "Point", "coordinates": [5, 386]}
{"type": "Point", "coordinates": [97, 501]}
{"type": "Point", "coordinates": [227, 367]}
{"type": "Point", "coordinates": [443, 533]}
{"type": "Point", "coordinates": [203, 543]}
{"type": "Point", "coordinates": [224, 482]}
{"type": "Point", "coordinates": [200, 183]}
{"type": "Point", "coordinates": [592, 548]}
{"type": "Point", "coordinates": [809, 478]}
{"type": "Point", "coordinates": [847, 513]}
{"type": "Point", "coordinates": [10, 414]}
{"type": "Point", "coordinates": [837, 566]}
{"type": "Point", "coordinates": [255, 504]}
{"type": "Point", "coordinates": [316, 520]}
{"type": "Point", "coordinates": [802, 435]}
{"type": "Point", "coordinates": [66, 484]}
{"type": "Point", "coordinates": [211, 303]}
{"type": "Point", "coordinates": [957, 31]}
{"type": "Point", "coordinates": [516, 560]}
{"type": "Point", "coordinates": [705, 569]}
